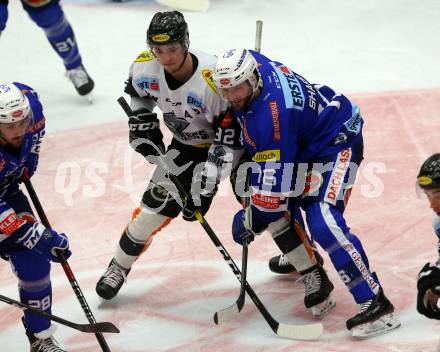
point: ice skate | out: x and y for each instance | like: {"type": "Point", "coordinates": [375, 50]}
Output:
{"type": "Point", "coordinates": [43, 341]}
{"type": "Point", "coordinates": [111, 282]}
{"type": "Point", "coordinates": [82, 81]}
{"type": "Point", "coordinates": [281, 265]}
{"type": "Point", "coordinates": [318, 290]}
{"type": "Point", "coordinates": [375, 317]}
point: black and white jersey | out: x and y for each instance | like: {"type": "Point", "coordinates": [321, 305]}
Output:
{"type": "Point", "coordinates": [190, 110]}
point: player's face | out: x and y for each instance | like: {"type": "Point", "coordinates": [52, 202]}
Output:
{"type": "Point", "coordinates": [239, 96]}
{"type": "Point", "coordinates": [170, 56]}
{"type": "Point", "coordinates": [434, 199]}
{"type": "Point", "coordinates": [13, 133]}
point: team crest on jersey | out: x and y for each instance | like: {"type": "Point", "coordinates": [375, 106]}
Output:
{"type": "Point", "coordinates": [209, 78]}
{"type": "Point", "coordinates": [147, 83]}
{"type": "Point", "coordinates": [175, 124]}
{"type": "Point", "coordinates": [36, 3]}
{"type": "Point", "coordinates": [145, 56]}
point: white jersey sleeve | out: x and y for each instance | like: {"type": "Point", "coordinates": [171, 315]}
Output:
{"type": "Point", "coordinates": [188, 111]}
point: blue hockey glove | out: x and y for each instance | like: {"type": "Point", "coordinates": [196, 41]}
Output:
{"type": "Point", "coordinates": [239, 230]}
{"type": "Point", "coordinates": [45, 242]}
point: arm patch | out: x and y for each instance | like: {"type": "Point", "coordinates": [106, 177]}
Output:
{"type": "Point", "coordinates": [145, 56]}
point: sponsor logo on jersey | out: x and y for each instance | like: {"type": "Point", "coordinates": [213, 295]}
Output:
{"type": "Point", "coordinates": [313, 183]}
{"type": "Point", "coordinates": [337, 177]}
{"type": "Point", "coordinates": [145, 56]}
{"type": "Point", "coordinates": [39, 125]}
{"type": "Point", "coordinates": [147, 83]}
{"type": "Point", "coordinates": [160, 38]}
{"type": "Point", "coordinates": [310, 91]}
{"type": "Point", "coordinates": [226, 120]}
{"type": "Point", "coordinates": [424, 180]}
{"type": "Point", "coordinates": [267, 155]}
{"type": "Point", "coordinates": [354, 124]}
{"type": "Point", "coordinates": [10, 223]}
{"type": "Point", "coordinates": [275, 120]}
{"type": "Point", "coordinates": [357, 259]}
{"type": "Point", "coordinates": [292, 90]}
{"type": "Point", "coordinates": [246, 137]}
{"type": "Point", "coordinates": [267, 202]}
{"type": "Point", "coordinates": [36, 3]}
{"type": "Point", "coordinates": [196, 101]}
{"type": "Point", "coordinates": [209, 78]}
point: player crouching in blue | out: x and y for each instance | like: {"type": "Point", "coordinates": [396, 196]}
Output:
{"type": "Point", "coordinates": [292, 128]}
{"type": "Point", "coordinates": [28, 245]}
{"type": "Point", "coordinates": [49, 16]}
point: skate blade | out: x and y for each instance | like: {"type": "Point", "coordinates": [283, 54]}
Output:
{"type": "Point", "coordinates": [377, 327]}
{"type": "Point", "coordinates": [88, 97]}
{"type": "Point", "coordinates": [323, 309]}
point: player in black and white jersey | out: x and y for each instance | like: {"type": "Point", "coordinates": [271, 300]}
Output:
{"type": "Point", "coordinates": [177, 80]}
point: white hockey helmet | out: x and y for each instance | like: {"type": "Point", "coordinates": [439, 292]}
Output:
{"type": "Point", "coordinates": [234, 67]}
{"type": "Point", "coordinates": [14, 106]}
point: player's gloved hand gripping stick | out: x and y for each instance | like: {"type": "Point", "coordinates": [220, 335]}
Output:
{"type": "Point", "coordinates": [68, 271]}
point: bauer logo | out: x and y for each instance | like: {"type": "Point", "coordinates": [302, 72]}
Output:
{"type": "Point", "coordinates": [224, 81]}
{"type": "Point", "coordinates": [424, 180]}
{"type": "Point", "coordinates": [160, 38]}
{"type": "Point", "coordinates": [267, 155]}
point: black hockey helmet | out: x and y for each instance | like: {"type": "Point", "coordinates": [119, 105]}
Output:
{"type": "Point", "coordinates": [167, 28]}
{"type": "Point", "coordinates": [429, 175]}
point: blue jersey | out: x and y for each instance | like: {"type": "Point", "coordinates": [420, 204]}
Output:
{"type": "Point", "coordinates": [12, 165]}
{"type": "Point", "coordinates": [291, 121]}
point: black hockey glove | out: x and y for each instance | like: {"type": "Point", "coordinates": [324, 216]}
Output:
{"type": "Point", "coordinates": [189, 210]}
{"type": "Point", "coordinates": [145, 135]}
{"type": "Point", "coordinates": [428, 279]}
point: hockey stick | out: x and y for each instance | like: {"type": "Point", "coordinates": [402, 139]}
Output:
{"type": "Point", "coordinates": [230, 312]}
{"type": "Point", "coordinates": [68, 271]}
{"type": "Point", "coordinates": [297, 332]}
{"type": "Point", "coordinates": [88, 328]}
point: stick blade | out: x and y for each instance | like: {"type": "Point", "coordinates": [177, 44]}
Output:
{"type": "Point", "coordinates": [300, 332]}
{"type": "Point", "coordinates": [99, 327]}
{"type": "Point", "coordinates": [226, 314]}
